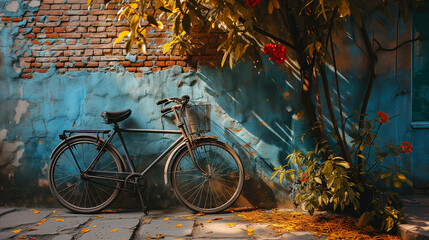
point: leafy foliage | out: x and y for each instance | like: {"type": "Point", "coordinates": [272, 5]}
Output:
{"type": "Point", "coordinates": [329, 182]}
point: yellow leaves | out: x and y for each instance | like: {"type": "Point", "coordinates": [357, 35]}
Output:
{"type": "Point", "coordinates": [250, 231]}
{"type": "Point", "coordinates": [85, 230]}
{"type": "Point", "coordinates": [114, 230]}
{"type": "Point", "coordinates": [120, 37]}
{"type": "Point", "coordinates": [41, 222]}
{"type": "Point", "coordinates": [200, 214]}
{"type": "Point", "coordinates": [178, 225]}
{"type": "Point", "coordinates": [230, 224]}
{"type": "Point", "coordinates": [99, 217]}
{"type": "Point", "coordinates": [332, 226]}
{"type": "Point", "coordinates": [218, 218]}
{"type": "Point", "coordinates": [94, 226]}
{"type": "Point", "coordinates": [166, 219]}
{"type": "Point", "coordinates": [17, 231]}
{"type": "Point", "coordinates": [34, 211]}
{"type": "Point", "coordinates": [273, 4]}
{"type": "Point", "coordinates": [59, 220]}
{"type": "Point", "coordinates": [21, 237]}
{"type": "Point", "coordinates": [208, 221]}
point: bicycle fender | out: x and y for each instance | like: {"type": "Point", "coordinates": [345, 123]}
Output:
{"type": "Point", "coordinates": [169, 162]}
{"type": "Point", "coordinates": [64, 143]}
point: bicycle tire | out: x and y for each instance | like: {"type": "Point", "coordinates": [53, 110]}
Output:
{"type": "Point", "coordinates": [215, 190]}
{"type": "Point", "coordinates": [69, 185]}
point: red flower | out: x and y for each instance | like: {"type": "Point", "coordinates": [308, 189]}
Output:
{"type": "Point", "coordinates": [303, 174]}
{"type": "Point", "coordinates": [406, 147]}
{"type": "Point", "coordinates": [252, 3]}
{"type": "Point", "coordinates": [277, 53]}
{"type": "Point", "coordinates": [382, 117]}
{"type": "Point", "coordinates": [303, 179]}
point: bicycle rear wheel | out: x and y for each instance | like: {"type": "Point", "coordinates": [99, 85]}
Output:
{"type": "Point", "coordinates": [72, 186]}
{"type": "Point", "coordinates": [214, 189]}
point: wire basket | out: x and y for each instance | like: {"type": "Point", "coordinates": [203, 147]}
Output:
{"type": "Point", "coordinates": [198, 117]}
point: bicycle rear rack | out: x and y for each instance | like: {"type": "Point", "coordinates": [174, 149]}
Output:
{"type": "Point", "coordinates": [64, 136]}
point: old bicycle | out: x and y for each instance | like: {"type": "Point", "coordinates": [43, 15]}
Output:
{"type": "Point", "coordinates": [87, 172]}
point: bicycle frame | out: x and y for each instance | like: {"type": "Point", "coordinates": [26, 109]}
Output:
{"type": "Point", "coordinates": [124, 176]}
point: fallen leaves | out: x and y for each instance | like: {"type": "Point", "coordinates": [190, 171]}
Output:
{"type": "Point", "coordinates": [178, 225]}
{"type": "Point", "coordinates": [85, 230]}
{"type": "Point", "coordinates": [158, 236]}
{"type": "Point", "coordinates": [17, 231]}
{"type": "Point", "coordinates": [230, 224]}
{"type": "Point", "coordinates": [218, 218]}
{"type": "Point", "coordinates": [332, 226]}
{"type": "Point", "coordinates": [250, 231]}
{"type": "Point", "coordinates": [59, 220]}
{"type": "Point", "coordinates": [114, 230]}
{"type": "Point", "coordinates": [99, 217]}
{"type": "Point", "coordinates": [208, 221]}
{"type": "Point", "coordinates": [34, 211]}
{"type": "Point", "coordinates": [21, 238]}
{"type": "Point", "coordinates": [94, 226]}
{"type": "Point", "coordinates": [41, 222]}
{"type": "Point", "coordinates": [166, 219]}
{"type": "Point", "coordinates": [200, 214]}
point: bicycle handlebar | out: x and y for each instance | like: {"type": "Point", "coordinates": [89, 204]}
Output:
{"type": "Point", "coordinates": [180, 101]}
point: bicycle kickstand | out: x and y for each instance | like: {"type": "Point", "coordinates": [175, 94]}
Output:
{"type": "Point", "coordinates": [144, 206]}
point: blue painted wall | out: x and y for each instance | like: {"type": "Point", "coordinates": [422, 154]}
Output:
{"type": "Point", "coordinates": [256, 112]}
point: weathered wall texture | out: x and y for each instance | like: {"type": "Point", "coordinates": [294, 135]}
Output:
{"type": "Point", "coordinates": [59, 71]}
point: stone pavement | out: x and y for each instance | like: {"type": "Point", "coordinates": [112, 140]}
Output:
{"type": "Point", "coordinates": [60, 224]}
{"type": "Point", "coordinates": [416, 210]}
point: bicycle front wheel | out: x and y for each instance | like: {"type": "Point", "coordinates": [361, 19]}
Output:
{"type": "Point", "coordinates": [216, 185]}
{"type": "Point", "coordinates": [76, 189]}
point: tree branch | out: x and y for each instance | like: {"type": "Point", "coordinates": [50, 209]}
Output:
{"type": "Point", "coordinates": [380, 48]}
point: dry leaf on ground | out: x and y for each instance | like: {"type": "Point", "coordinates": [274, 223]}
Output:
{"type": "Point", "coordinates": [178, 225]}
{"type": "Point", "coordinates": [331, 226]}
{"type": "Point", "coordinates": [16, 231]}
{"type": "Point", "coordinates": [114, 230]}
{"type": "Point", "coordinates": [85, 230]}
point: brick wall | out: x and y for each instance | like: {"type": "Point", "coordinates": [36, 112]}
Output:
{"type": "Point", "coordinates": [66, 34]}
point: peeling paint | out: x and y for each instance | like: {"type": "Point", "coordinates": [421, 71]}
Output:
{"type": "Point", "coordinates": [12, 6]}
{"type": "Point", "coordinates": [20, 109]}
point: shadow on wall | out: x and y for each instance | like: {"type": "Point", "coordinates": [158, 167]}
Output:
{"type": "Point", "coordinates": [251, 112]}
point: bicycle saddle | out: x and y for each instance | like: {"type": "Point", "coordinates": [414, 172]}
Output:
{"type": "Point", "coordinates": [115, 117]}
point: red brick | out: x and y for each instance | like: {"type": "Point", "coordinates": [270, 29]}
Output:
{"type": "Point", "coordinates": [95, 46]}
{"type": "Point", "coordinates": [48, 24]}
{"type": "Point", "coordinates": [62, 70]}
{"type": "Point", "coordinates": [89, 52]}
{"type": "Point", "coordinates": [148, 64]}
{"type": "Point", "coordinates": [47, 43]}
{"type": "Point", "coordinates": [59, 64]}
{"type": "Point", "coordinates": [79, 64]}
{"type": "Point", "coordinates": [160, 63]}
{"type": "Point", "coordinates": [49, 30]}
{"type": "Point", "coordinates": [78, 53]}
{"type": "Point", "coordinates": [60, 29]}
{"type": "Point", "coordinates": [75, 6]}
{"type": "Point", "coordinates": [36, 30]}
{"type": "Point", "coordinates": [36, 41]}
{"type": "Point", "coordinates": [82, 29]}
{"type": "Point", "coordinates": [164, 58]}
{"type": "Point", "coordinates": [112, 34]}
{"type": "Point", "coordinates": [58, 54]}
{"type": "Point", "coordinates": [72, 69]}
{"type": "Point", "coordinates": [141, 57]}
{"type": "Point", "coordinates": [29, 35]}
{"type": "Point", "coordinates": [52, 35]}
{"type": "Point", "coordinates": [56, 7]}
{"type": "Point", "coordinates": [92, 29]}
{"type": "Point", "coordinates": [70, 35]}
{"type": "Point", "coordinates": [37, 65]}
{"type": "Point", "coordinates": [26, 76]}
{"type": "Point", "coordinates": [16, 19]}
{"type": "Point", "coordinates": [46, 65]}
{"type": "Point", "coordinates": [45, 7]}
{"type": "Point", "coordinates": [21, 30]}
{"type": "Point", "coordinates": [107, 51]}
{"type": "Point", "coordinates": [103, 64]}
{"type": "Point", "coordinates": [156, 69]}
{"type": "Point", "coordinates": [28, 70]}
{"type": "Point", "coordinates": [64, 18]}
{"type": "Point", "coordinates": [92, 64]}
{"type": "Point", "coordinates": [53, 18]}
{"type": "Point", "coordinates": [71, 29]}
{"type": "Point", "coordinates": [83, 41]}
{"type": "Point", "coordinates": [138, 64]}
{"type": "Point", "coordinates": [75, 12]}
{"type": "Point", "coordinates": [63, 59]}
{"type": "Point", "coordinates": [75, 18]}
{"type": "Point", "coordinates": [66, 24]}
{"type": "Point", "coordinates": [98, 52]}
{"type": "Point", "coordinates": [92, 18]}
{"type": "Point", "coordinates": [77, 47]}
{"type": "Point", "coordinates": [68, 53]}
{"type": "Point", "coordinates": [41, 70]}
{"type": "Point", "coordinates": [6, 19]}
{"type": "Point", "coordinates": [181, 63]}
{"type": "Point", "coordinates": [50, 12]}
{"type": "Point", "coordinates": [125, 63]}
{"type": "Point", "coordinates": [117, 51]}
{"type": "Point", "coordinates": [95, 35]}
{"type": "Point", "coordinates": [170, 63]}
{"type": "Point", "coordinates": [131, 69]}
